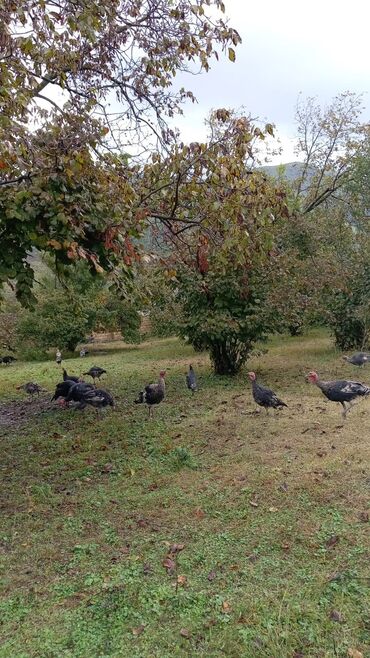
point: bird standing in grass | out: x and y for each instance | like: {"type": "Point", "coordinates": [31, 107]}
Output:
{"type": "Point", "coordinates": [31, 388]}
{"type": "Point", "coordinates": [153, 393]}
{"type": "Point", "coordinates": [263, 396]}
{"type": "Point", "coordinates": [95, 372]}
{"type": "Point", "coordinates": [88, 395]}
{"type": "Point", "coordinates": [358, 359]}
{"type": "Point", "coordinates": [63, 388]}
{"type": "Point", "coordinates": [340, 390]}
{"type": "Point", "coordinates": [191, 380]}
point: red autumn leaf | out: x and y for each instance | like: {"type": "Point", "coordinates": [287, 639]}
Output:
{"type": "Point", "coordinates": [169, 564]}
{"type": "Point", "coordinates": [332, 541]}
{"type": "Point", "coordinates": [176, 548]}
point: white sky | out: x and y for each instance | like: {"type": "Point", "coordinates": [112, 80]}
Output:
{"type": "Point", "coordinates": [319, 48]}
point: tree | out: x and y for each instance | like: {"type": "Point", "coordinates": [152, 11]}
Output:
{"type": "Point", "coordinates": [221, 217]}
{"type": "Point", "coordinates": [83, 83]}
{"type": "Point", "coordinates": [328, 140]}
{"type": "Point", "coordinates": [59, 320]}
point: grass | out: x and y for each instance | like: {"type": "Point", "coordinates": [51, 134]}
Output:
{"type": "Point", "coordinates": [209, 531]}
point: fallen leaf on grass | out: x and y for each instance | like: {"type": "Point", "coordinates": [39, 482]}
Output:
{"type": "Point", "coordinates": [107, 468]}
{"type": "Point", "coordinates": [285, 547]}
{"type": "Point", "coordinates": [176, 548]}
{"type": "Point", "coordinates": [335, 615]}
{"type": "Point", "coordinates": [364, 517]}
{"type": "Point", "coordinates": [169, 564]}
{"type": "Point", "coordinates": [336, 575]}
{"type": "Point", "coordinates": [199, 513]}
{"type": "Point", "coordinates": [353, 653]}
{"type": "Point", "coordinates": [273, 509]}
{"type": "Point", "coordinates": [332, 541]}
{"type": "Point", "coordinates": [242, 620]}
{"type": "Point", "coordinates": [184, 632]}
{"type": "Point", "coordinates": [138, 630]}
{"type": "Point", "coordinates": [226, 607]}
{"type": "Point", "coordinates": [253, 503]}
{"type": "Point", "coordinates": [181, 580]}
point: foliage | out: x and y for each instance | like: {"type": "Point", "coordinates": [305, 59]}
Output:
{"type": "Point", "coordinates": [328, 140]}
{"type": "Point", "coordinates": [59, 320]}
{"type": "Point", "coordinates": [116, 314]}
{"type": "Point", "coordinates": [221, 217]}
{"type": "Point", "coordinates": [8, 325]}
{"type": "Point", "coordinates": [348, 305]}
{"type": "Point", "coordinates": [65, 186]}
{"type": "Point", "coordinates": [223, 314]}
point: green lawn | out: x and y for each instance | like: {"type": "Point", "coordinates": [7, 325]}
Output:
{"type": "Point", "coordinates": [209, 531]}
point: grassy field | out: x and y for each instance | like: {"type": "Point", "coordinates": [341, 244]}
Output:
{"type": "Point", "coordinates": [211, 531]}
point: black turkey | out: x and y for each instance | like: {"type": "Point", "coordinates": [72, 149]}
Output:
{"type": "Point", "coordinates": [72, 378]}
{"type": "Point", "coordinates": [340, 390]}
{"type": "Point", "coordinates": [263, 396]}
{"type": "Point", "coordinates": [153, 393]}
{"type": "Point", "coordinates": [89, 395]}
{"type": "Point", "coordinates": [63, 388]}
{"type": "Point", "coordinates": [8, 359]}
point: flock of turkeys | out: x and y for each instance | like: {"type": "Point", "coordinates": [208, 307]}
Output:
{"type": "Point", "coordinates": [75, 389]}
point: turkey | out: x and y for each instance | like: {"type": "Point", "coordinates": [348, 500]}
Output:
{"type": "Point", "coordinates": [31, 388]}
{"type": "Point", "coordinates": [358, 359]}
{"type": "Point", "coordinates": [96, 397]}
{"type": "Point", "coordinates": [95, 372]}
{"type": "Point", "coordinates": [340, 390]}
{"type": "Point", "coordinates": [153, 393]}
{"type": "Point", "coordinates": [264, 396]}
{"type": "Point", "coordinates": [9, 359]}
{"type": "Point", "coordinates": [63, 388]}
{"type": "Point", "coordinates": [191, 380]}
{"type": "Point", "coordinates": [71, 378]}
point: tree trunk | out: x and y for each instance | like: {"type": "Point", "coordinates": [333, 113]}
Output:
{"type": "Point", "coordinates": [228, 356]}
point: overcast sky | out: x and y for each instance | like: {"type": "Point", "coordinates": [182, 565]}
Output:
{"type": "Point", "coordinates": [319, 48]}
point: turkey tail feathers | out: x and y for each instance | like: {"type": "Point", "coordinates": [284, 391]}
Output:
{"type": "Point", "coordinates": [141, 398]}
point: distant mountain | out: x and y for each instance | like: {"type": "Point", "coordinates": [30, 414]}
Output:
{"type": "Point", "coordinates": [289, 170]}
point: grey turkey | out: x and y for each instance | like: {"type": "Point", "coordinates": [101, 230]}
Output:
{"type": "Point", "coordinates": [358, 359]}
{"type": "Point", "coordinates": [72, 378]}
{"type": "Point", "coordinates": [95, 372]}
{"type": "Point", "coordinates": [95, 397]}
{"type": "Point", "coordinates": [263, 396]}
{"type": "Point", "coordinates": [63, 388]}
{"type": "Point", "coordinates": [153, 393]}
{"type": "Point", "coordinates": [191, 380]}
{"type": "Point", "coordinates": [31, 388]}
{"type": "Point", "coordinates": [340, 390]}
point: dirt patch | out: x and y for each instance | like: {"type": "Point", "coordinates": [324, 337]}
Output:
{"type": "Point", "coordinates": [16, 413]}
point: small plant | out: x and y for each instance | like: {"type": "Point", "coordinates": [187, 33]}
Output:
{"type": "Point", "coordinates": [182, 458]}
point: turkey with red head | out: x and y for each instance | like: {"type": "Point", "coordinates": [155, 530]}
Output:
{"type": "Point", "coordinates": [340, 390]}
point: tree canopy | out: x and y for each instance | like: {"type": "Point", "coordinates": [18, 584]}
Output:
{"type": "Point", "coordinates": [82, 84]}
